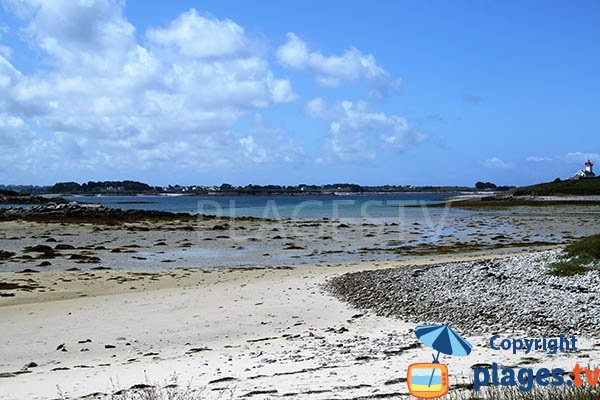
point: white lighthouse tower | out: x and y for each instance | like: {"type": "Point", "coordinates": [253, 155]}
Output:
{"type": "Point", "coordinates": [588, 172]}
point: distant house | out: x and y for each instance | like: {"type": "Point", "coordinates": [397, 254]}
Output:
{"type": "Point", "coordinates": [588, 172]}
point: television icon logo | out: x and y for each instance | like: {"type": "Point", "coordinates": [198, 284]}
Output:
{"type": "Point", "coordinates": [430, 380]}
{"type": "Point", "coordinates": [427, 380]}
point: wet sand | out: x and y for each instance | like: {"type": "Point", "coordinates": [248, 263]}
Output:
{"type": "Point", "coordinates": [158, 245]}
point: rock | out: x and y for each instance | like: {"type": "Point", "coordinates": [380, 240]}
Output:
{"type": "Point", "coordinates": [294, 247]}
{"type": "Point", "coordinates": [60, 211]}
{"type": "Point", "coordinates": [481, 365]}
{"type": "Point", "coordinates": [221, 380]}
{"type": "Point", "coordinates": [63, 246]}
{"type": "Point", "coordinates": [40, 248]}
{"type": "Point", "coordinates": [197, 350]}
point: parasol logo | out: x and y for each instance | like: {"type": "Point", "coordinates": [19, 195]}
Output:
{"type": "Point", "coordinates": [430, 380]}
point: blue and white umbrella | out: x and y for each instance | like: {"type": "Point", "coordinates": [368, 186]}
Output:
{"type": "Point", "coordinates": [443, 339]}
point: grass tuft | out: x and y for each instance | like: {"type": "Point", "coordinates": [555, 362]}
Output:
{"type": "Point", "coordinates": [588, 247]}
{"type": "Point", "coordinates": [537, 393]}
{"type": "Point", "coordinates": [580, 257]}
{"type": "Point", "coordinates": [168, 390]}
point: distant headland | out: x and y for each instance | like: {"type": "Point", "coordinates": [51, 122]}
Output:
{"type": "Point", "coordinates": [129, 187]}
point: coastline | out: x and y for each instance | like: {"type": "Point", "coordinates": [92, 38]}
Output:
{"type": "Point", "coordinates": [498, 201]}
{"type": "Point", "coordinates": [101, 306]}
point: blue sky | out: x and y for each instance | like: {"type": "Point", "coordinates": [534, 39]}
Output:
{"type": "Point", "coordinates": [398, 92]}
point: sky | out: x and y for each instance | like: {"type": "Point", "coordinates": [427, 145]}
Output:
{"type": "Point", "coordinates": [289, 92]}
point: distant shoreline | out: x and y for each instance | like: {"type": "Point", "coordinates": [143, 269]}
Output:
{"type": "Point", "coordinates": [519, 201]}
{"type": "Point", "coordinates": [219, 194]}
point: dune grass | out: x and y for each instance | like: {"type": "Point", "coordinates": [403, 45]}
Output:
{"type": "Point", "coordinates": [143, 392]}
{"type": "Point", "coordinates": [580, 257]}
{"type": "Point", "coordinates": [168, 390]}
{"type": "Point", "coordinates": [537, 393]}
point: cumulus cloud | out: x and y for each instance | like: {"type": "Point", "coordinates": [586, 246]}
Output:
{"type": "Point", "coordinates": [109, 100]}
{"type": "Point", "coordinates": [195, 36]}
{"type": "Point", "coordinates": [496, 162]}
{"type": "Point", "coordinates": [14, 132]}
{"type": "Point", "coordinates": [333, 70]}
{"type": "Point", "coordinates": [353, 126]}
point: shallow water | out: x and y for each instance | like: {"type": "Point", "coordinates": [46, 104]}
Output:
{"type": "Point", "coordinates": [276, 207]}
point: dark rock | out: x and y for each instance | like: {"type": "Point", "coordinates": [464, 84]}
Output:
{"type": "Point", "coordinates": [40, 248]}
{"type": "Point", "coordinates": [64, 246]}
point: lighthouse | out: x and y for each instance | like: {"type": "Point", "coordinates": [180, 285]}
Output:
{"type": "Point", "coordinates": [588, 172]}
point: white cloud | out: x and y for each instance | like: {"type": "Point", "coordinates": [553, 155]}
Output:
{"type": "Point", "coordinates": [538, 159]}
{"type": "Point", "coordinates": [14, 133]}
{"type": "Point", "coordinates": [252, 150]}
{"type": "Point", "coordinates": [283, 148]}
{"type": "Point", "coordinates": [5, 51]}
{"type": "Point", "coordinates": [353, 126]}
{"type": "Point", "coordinates": [333, 70]}
{"type": "Point", "coordinates": [193, 35]}
{"type": "Point", "coordinates": [581, 157]}
{"type": "Point", "coordinates": [109, 101]}
{"type": "Point", "coordinates": [496, 162]}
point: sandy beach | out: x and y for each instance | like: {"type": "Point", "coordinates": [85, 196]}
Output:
{"type": "Point", "coordinates": [229, 333]}
{"type": "Point", "coordinates": [88, 310]}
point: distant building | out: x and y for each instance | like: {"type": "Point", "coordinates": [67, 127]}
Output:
{"type": "Point", "coordinates": [588, 172]}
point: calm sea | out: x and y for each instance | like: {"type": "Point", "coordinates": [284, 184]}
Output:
{"type": "Point", "coordinates": [277, 207]}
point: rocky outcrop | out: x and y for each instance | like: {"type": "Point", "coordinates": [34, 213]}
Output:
{"type": "Point", "coordinates": [12, 197]}
{"type": "Point", "coordinates": [78, 212]}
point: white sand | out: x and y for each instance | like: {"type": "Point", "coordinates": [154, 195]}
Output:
{"type": "Point", "coordinates": [226, 311]}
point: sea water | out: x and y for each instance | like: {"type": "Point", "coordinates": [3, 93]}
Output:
{"type": "Point", "coordinates": [277, 207]}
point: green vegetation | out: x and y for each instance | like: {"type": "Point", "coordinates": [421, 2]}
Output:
{"type": "Point", "coordinates": [101, 187]}
{"type": "Point", "coordinates": [581, 187]}
{"type": "Point", "coordinates": [580, 257]}
{"type": "Point", "coordinates": [588, 247]}
{"type": "Point", "coordinates": [569, 268]}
